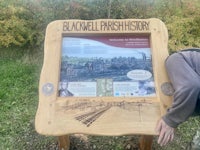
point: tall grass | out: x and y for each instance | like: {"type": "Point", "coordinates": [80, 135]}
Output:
{"type": "Point", "coordinates": [19, 77]}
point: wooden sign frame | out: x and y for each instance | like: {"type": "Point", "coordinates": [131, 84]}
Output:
{"type": "Point", "coordinates": [101, 115]}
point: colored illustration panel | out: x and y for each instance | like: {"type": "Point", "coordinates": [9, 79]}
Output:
{"type": "Point", "coordinates": [118, 66]}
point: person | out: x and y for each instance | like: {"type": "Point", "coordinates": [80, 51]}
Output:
{"type": "Point", "coordinates": [63, 90]}
{"type": "Point", "coordinates": [183, 68]}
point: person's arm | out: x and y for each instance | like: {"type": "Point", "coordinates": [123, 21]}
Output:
{"type": "Point", "coordinates": [165, 132]}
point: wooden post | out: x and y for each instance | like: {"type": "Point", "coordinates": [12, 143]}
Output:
{"type": "Point", "coordinates": [145, 142]}
{"type": "Point", "coordinates": [63, 142]}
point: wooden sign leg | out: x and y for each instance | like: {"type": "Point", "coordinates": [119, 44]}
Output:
{"type": "Point", "coordinates": [63, 142]}
{"type": "Point", "coordinates": [145, 142]}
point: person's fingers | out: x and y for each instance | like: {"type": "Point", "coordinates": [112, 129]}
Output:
{"type": "Point", "coordinates": [161, 136]}
{"type": "Point", "coordinates": [158, 127]}
{"type": "Point", "coordinates": [171, 133]}
{"type": "Point", "coordinates": [166, 139]}
{"type": "Point", "coordinates": [172, 136]}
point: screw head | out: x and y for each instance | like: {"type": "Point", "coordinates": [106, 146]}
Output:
{"type": "Point", "coordinates": [48, 89]}
{"type": "Point", "coordinates": [167, 89]}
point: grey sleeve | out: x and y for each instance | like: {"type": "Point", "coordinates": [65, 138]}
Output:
{"type": "Point", "coordinates": [186, 83]}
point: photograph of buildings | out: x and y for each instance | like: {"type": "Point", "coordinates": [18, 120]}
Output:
{"type": "Point", "coordinates": [88, 59]}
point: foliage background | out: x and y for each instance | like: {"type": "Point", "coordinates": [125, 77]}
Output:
{"type": "Point", "coordinates": [23, 22]}
{"type": "Point", "coordinates": [22, 31]}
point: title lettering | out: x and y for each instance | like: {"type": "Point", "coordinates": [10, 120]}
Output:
{"type": "Point", "coordinates": [106, 26]}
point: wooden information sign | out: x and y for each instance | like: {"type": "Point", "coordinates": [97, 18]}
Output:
{"type": "Point", "coordinates": [103, 77]}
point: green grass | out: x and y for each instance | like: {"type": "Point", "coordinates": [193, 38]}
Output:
{"type": "Point", "coordinates": [18, 104]}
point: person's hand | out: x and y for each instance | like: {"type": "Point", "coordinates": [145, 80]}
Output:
{"type": "Point", "coordinates": [165, 132]}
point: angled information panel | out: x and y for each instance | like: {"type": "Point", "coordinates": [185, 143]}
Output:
{"type": "Point", "coordinates": [103, 77]}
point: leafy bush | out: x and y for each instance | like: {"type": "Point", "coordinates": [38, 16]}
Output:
{"type": "Point", "coordinates": [23, 22]}
{"type": "Point", "coordinates": [183, 32]}
{"type": "Point", "coordinates": [17, 27]}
